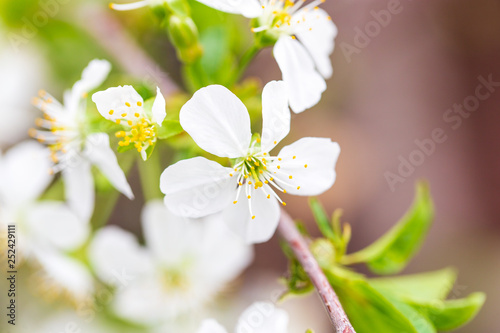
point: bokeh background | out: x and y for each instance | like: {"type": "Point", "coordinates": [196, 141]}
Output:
{"type": "Point", "coordinates": [395, 89]}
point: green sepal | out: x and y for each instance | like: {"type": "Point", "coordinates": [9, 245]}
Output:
{"type": "Point", "coordinates": [169, 128]}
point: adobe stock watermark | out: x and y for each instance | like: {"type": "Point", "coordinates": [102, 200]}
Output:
{"type": "Point", "coordinates": [453, 117]}
{"type": "Point", "coordinates": [31, 25]}
{"type": "Point", "coordinates": [364, 36]}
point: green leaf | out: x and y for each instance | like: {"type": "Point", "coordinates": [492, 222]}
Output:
{"type": "Point", "coordinates": [420, 322]}
{"type": "Point", "coordinates": [322, 219]}
{"type": "Point", "coordinates": [392, 252]}
{"type": "Point", "coordinates": [425, 287]}
{"type": "Point", "coordinates": [451, 314]}
{"type": "Point", "coordinates": [169, 128]}
{"type": "Point", "coordinates": [368, 310]}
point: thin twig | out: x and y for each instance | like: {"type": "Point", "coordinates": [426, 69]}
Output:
{"type": "Point", "coordinates": [328, 296]}
{"type": "Point", "coordinates": [112, 36]}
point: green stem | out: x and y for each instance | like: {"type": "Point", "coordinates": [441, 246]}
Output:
{"type": "Point", "coordinates": [245, 61]}
{"type": "Point", "coordinates": [106, 200]}
{"type": "Point", "coordinates": [150, 172]}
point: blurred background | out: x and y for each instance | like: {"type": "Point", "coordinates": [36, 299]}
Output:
{"type": "Point", "coordinates": [394, 85]}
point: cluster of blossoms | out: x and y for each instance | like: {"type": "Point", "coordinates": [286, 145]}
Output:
{"type": "Point", "coordinates": [211, 213]}
{"type": "Point", "coordinates": [303, 36]}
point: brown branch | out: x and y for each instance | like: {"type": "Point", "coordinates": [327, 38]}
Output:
{"type": "Point", "coordinates": [328, 296]}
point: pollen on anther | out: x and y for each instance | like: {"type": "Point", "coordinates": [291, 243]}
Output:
{"type": "Point", "coordinates": [294, 157]}
{"type": "Point", "coordinates": [137, 115]}
{"type": "Point", "coordinates": [298, 187]}
{"type": "Point", "coordinates": [129, 122]}
{"type": "Point", "coordinates": [279, 167]}
{"type": "Point", "coordinates": [139, 103]}
{"type": "Point", "coordinates": [305, 166]}
{"type": "Point", "coordinates": [290, 177]}
{"type": "Point", "coordinates": [124, 115]}
{"type": "Point", "coordinates": [111, 112]}
{"type": "Point", "coordinates": [284, 191]}
{"type": "Point", "coordinates": [253, 217]}
{"type": "Point", "coordinates": [230, 175]}
{"type": "Point", "coordinates": [249, 197]}
{"type": "Point", "coordinates": [269, 196]}
{"type": "Point", "coordinates": [127, 104]}
{"type": "Point", "coordinates": [235, 202]}
{"type": "Point", "coordinates": [284, 203]}
{"type": "Point", "coordinates": [118, 121]}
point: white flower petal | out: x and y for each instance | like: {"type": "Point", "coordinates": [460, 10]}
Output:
{"type": "Point", "coordinates": [119, 103]}
{"type": "Point", "coordinates": [99, 152]}
{"type": "Point", "coordinates": [169, 237]}
{"type": "Point", "coordinates": [247, 8]}
{"type": "Point", "coordinates": [217, 253]}
{"type": "Point", "coordinates": [260, 229]}
{"type": "Point", "coordinates": [117, 257]}
{"type": "Point", "coordinates": [319, 154]}
{"type": "Point", "coordinates": [24, 173]}
{"type": "Point", "coordinates": [305, 85]}
{"type": "Point", "coordinates": [275, 115]}
{"type": "Point", "coordinates": [217, 121]}
{"type": "Point", "coordinates": [222, 254]}
{"type": "Point", "coordinates": [130, 6]}
{"type": "Point", "coordinates": [145, 301]}
{"type": "Point", "coordinates": [64, 272]}
{"type": "Point", "coordinates": [211, 326]}
{"type": "Point", "coordinates": [79, 188]}
{"type": "Point", "coordinates": [263, 317]}
{"type": "Point", "coordinates": [197, 187]}
{"type": "Point", "coordinates": [52, 223]}
{"type": "Point", "coordinates": [93, 75]}
{"type": "Point", "coordinates": [317, 33]}
{"type": "Point", "coordinates": [159, 108]}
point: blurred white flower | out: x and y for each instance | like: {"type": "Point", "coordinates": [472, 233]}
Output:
{"type": "Point", "coordinates": [305, 36]}
{"type": "Point", "coordinates": [21, 72]}
{"type": "Point", "coordinates": [184, 264]}
{"type": "Point", "coordinates": [46, 230]}
{"type": "Point", "coordinates": [72, 151]}
{"type": "Point", "coordinates": [125, 106]}
{"type": "Point", "coordinates": [243, 7]}
{"type": "Point", "coordinates": [260, 317]}
{"type": "Point", "coordinates": [219, 123]}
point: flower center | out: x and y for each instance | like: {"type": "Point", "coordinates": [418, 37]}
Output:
{"type": "Point", "coordinates": [279, 15]}
{"type": "Point", "coordinates": [141, 134]}
{"type": "Point", "coordinates": [58, 130]}
{"type": "Point", "coordinates": [260, 172]}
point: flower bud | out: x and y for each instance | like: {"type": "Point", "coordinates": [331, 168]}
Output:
{"type": "Point", "coordinates": [184, 35]}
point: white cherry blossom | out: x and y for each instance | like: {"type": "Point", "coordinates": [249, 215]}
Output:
{"type": "Point", "coordinates": [183, 265]}
{"type": "Point", "coordinates": [248, 8]}
{"type": "Point", "coordinates": [125, 106]}
{"type": "Point", "coordinates": [246, 192]}
{"type": "Point", "coordinates": [47, 231]}
{"type": "Point", "coordinates": [305, 39]}
{"type": "Point", "coordinates": [260, 317]}
{"type": "Point", "coordinates": [72, 150]}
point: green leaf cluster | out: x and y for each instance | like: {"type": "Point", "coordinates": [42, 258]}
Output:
{"type": "Point", "coordinates": [419, 303]}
